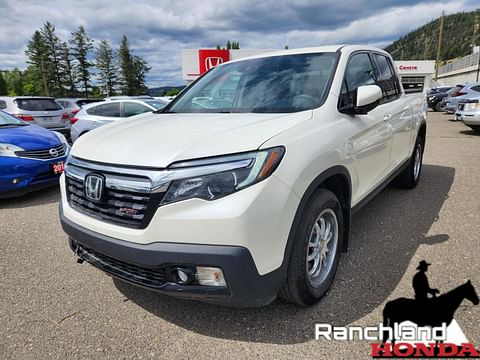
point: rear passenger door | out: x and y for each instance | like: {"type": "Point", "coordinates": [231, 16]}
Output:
{"type": "Point", "coordinates": [395, 110]}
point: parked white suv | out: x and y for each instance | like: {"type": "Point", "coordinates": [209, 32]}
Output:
{"type": "Point", "coordinates": [244, 187]}
{"type": "Point", "coordinates": [97, 114]}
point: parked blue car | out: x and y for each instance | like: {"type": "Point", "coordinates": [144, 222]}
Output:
{"type": "Point", "coordinates": [31, 157]}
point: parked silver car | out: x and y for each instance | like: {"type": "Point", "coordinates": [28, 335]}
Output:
{"type": "Point", "coordinates": [469, 112]}
{"type": "Point", "coordinates": [94, 115]}
{"type": "Point", "coordinates": [73, 105]}
{"type": "Point", "coordinates": [469, 91]}
{"type": "Point", "coordinates": [44, 111]}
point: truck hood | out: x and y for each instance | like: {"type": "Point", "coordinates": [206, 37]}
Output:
{"type": "Point", "coordinates": [161, 139]}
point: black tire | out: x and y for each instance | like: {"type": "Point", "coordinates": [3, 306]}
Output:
{"type": "Point", "coordinates": [439, 106]}
{"type": "Point", "coordinates": [409, 177]}
{"type": "Point", "coordinates": [475, 127]}
{"type": "Point", "coordinates": [298, 288]}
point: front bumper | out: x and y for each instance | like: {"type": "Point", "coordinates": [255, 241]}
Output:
{"type": "Point", "coordinates": [29, 175]}
{"type": "Point", "coordinates": [245, 286]}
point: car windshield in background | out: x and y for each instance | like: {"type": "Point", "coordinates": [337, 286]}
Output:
{"type": "Point", "coordinates": [38, 104]}
{"type": "Point", "coordinates": [88, 101]}
{"type": "Point", "coordinates": [277, 84]}
{"type": "Point", "coordinates": [157, 104]}
{"type": "Point", "coordinates": [9, 120]}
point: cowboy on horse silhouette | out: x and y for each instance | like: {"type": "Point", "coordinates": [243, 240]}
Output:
{"type": "Point", "coordinates": [420, 283]}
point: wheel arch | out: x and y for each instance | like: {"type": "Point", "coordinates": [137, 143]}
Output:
{"type": "Point", "coordinates": [337, 180]}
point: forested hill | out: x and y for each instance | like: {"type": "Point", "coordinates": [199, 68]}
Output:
{"type": "Point", "coordinates": [458, 36]}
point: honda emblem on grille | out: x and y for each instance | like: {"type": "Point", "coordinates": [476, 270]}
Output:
{"type": "Point", "coordinates": [93, 187]}
{"type": "Point", "coordinates": [53, 152]}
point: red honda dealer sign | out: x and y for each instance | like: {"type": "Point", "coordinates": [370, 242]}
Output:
{"type": "Point", "coordinates": [208, 58]}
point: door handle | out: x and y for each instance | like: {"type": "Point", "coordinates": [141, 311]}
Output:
{"type": "Point", "coordinates": [387, 117]}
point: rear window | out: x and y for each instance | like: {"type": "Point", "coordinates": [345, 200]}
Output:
{"type": "Point", "coordinates": [38, 104]}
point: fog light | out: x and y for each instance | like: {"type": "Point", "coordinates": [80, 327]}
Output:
{"type": "Point", "coordinates": [210, 276]}
{"type": "Point", "coordinates": [184, 276]}
{"type": "Point", "coordinates": [15, 181]}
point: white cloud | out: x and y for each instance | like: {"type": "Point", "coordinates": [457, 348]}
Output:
{"type": "Point", "coordinates": [158, 30]}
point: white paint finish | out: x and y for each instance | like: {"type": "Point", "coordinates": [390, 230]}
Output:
{"type": "Point", "coordinates": [259, 217]}
{"type": "Point", "coordinates": [368, 94]}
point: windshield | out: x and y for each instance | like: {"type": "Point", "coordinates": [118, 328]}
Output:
{"type": "Point", "coordinates": [157, 104]}
{"type": "Point", "coordinates": [36, 104]}
{"type": "Point", "coordinates": [276, 84]}
{"type": "Point", "coordinates": [9, 120]}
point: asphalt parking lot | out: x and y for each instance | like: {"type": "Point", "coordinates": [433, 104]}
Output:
{"type": "Point", "coordinates": [53, 308]}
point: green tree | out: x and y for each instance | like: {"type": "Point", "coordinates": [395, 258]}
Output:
{"type": "Point", "coordinates": [107, 71]}
{"type": "Point", "coordinates": [38, 57]}
{"type": "Point", "coordinates": [133, 70]}
{"type": "Point", "coordinates": [172, 92]}
{"type": "Point", "coordinates": [32, 83]}
{"type": "Point", "coordinates": [14, 80]}
{"type": "Point", "coordinates": [68, 70]}
{"type": "Point", "coordinates": [82, 45]}
{"type": "Point", "coordinates": [53, 49]}
{"type": "Point", "coordinates": [3, 85]}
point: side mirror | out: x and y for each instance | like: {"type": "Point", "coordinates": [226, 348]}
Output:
{"type": "Point", "coordinates": [368, 98]}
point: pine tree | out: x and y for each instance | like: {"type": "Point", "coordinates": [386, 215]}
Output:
{"type": "Point", "coordinates": [3, 85]}
{"type": "Point", "coordinates": [133, 70]}
{"type": "Point", "coordinates": [82, 45]}
{"type": "Point", "coordinates": [38, 57]}
{"type": "Point", "coordinates": [140, 70]}
{"type": "Point", "coordinates": [68, 70]}
{"type": "Point", "coordinates": [105, 63]}
{"type": "Point", "coordinates": [53, 46]}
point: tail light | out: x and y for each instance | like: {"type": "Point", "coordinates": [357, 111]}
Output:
{"type": "Point", "coordinates": [459, 93]}
{"type": "Point", "coordinates": [65, 116]}
{"type": "Point", "coordinates": [24, 117]}
{"type": "Point", "coordinates": [73, 120]}
{"type": "Point", "coordinates": [75, 111]}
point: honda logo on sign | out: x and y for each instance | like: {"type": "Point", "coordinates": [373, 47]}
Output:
{"type": "Point", "coordinates": [211, 62]}
{"type": "Point", "coordinates": [93, 187]}
{"type": "Point", "coordinates": [210, 58]}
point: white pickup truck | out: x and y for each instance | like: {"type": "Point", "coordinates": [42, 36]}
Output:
{"type": "Point", "coordinates": [243, 188]}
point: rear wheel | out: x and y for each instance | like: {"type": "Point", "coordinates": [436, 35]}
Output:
{"type": "Point", "coordinates": [410, 177]}
{"type": "Point", "coordinates": [439, 106]}
{"type": "Point", "coordinates": [315, 251]}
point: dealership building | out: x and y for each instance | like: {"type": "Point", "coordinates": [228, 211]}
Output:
{"type": "Point", "coordinates": [416, 75]}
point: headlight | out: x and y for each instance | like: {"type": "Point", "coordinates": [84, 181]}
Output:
{"type": "Point", "coordinates": [9, 150]}
{"type": "Point", "coordinates": [431, 97]}
{"type": "Point", "coordinates": [61, 137]}
{"type": "Point", "coordinates": [220, 176]}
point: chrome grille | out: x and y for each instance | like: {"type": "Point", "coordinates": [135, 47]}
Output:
{"type": "Point", "coordinates": [117, 206]}
{"type": "Point", "coordinates": [44, 154]}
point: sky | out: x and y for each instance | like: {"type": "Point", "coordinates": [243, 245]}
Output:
{"type": "Point", "coordinates": [158, 30]}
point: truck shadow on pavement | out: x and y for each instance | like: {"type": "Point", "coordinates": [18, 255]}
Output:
{"type": "Point", "coordinates": [385, 236]}
{"type": "Point", "coordinates": [41, 197]}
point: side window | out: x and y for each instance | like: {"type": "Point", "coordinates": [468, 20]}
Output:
{"type": "Point", "coordinates": [3, 104]}
{"type": "Point", "coordinates": [131, 109]}
{"type": "Point", "coordinates": [359, 72]}
{"type": "Point", "coordinates": [386, 79]}
{"type": "Point", "coordinates": [107, 110]}
{"type": "Point", "coordinates": [474, 88]}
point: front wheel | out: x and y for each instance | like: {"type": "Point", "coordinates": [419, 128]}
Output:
{"type": "Point", "coordinates": [315, 251]}
{"type": "Point", "coordinates": [439, 106]}
{"type": "Point", "coordinates": [410, 177]}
